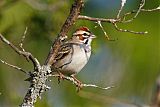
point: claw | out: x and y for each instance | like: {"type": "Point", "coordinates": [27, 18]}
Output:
{"type": "Point", "coordinates": [79, 83]}
{"type": "Point", "coordinates": [61, 76]}
{"type": "Point", "coordinates": [79, 87]}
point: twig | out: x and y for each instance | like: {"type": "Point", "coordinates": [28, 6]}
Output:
{"type": "Point", "coordinates": [123, 2]}
{"type": "Point", "coordinates": [143, 10]}
{"type": "Point", "coordinates": [27, 55]}
{"type": "Point", "coordinates": [82, 17]}
{"type": "Point", "coordinates": [151, 10]}
{"type": "Point", "coordinates": [125, 30]}
{"type": "Point", "coordinates": [105, 33]}
{"type": "Point", "coordinates": [95, 86]}
{"type": "Point", "coordinates": [121, 20]}
{"type": "Point", "coordinates": [22, 39]}
{"type": "Point", "coordinates": [142, 3]}
{"type": "Point", "coordinates": [83, 84]}
{"type": "Point", "coordinates": [13, 66]}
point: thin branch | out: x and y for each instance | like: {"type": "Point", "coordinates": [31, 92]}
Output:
{"type": "Point", "coordinates": [71, 79]}
{"type": "Point", "coordinates": [13, 66]}
{"type": "Point", "coordinates": [22, 39]}
{"type": "Point", "coordinates": [143, 10]}
{"type": "Point", "coordinates": [27, 55]}
{"type": "Point", "coordinates": [142, 3]}
{"type": "Point", "coordinates": [151, 10]}
{"type": "Point", "coordinates": [123, 2]}
{"type": "Point", "coordinates": [121, 20]}
{"type": "Point", "coordinates": [125, 30]}
{"type": "Point", "coordinates": [105, 33]}
{"type": "Point", "coordinates": [82, 17]}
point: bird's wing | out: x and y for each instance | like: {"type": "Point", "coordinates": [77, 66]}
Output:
{"type": "Point", "coordinates": [63, 51]}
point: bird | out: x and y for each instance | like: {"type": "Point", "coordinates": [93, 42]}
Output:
{"type": "Point", "coordinates": [74, 53]}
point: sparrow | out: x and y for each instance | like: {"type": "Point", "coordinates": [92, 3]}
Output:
{"type": "Point", "coordinates": [74, 54]}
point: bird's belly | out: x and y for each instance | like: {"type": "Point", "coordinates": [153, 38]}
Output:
{"type": "Point", "coordinates": [79, 60]}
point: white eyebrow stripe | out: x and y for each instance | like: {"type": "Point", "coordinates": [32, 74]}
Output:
{"type": "Point", "coordinates": [81, 32]}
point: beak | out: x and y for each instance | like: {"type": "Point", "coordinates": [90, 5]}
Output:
{"type": "Point", "coordinates": [92, 36]}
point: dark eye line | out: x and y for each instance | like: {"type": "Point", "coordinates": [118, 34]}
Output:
{"type": "Point", "coordinates": [81, 37]}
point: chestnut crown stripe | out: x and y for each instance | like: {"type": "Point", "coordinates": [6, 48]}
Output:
{"type": "Point", "coordinates": [83, 29]}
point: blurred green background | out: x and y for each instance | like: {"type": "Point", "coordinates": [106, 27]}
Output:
{"type": "Point", "coordinates": [131, 63]}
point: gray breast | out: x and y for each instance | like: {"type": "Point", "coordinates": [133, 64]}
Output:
{"type": "Point", "coordinates": [78, 58]}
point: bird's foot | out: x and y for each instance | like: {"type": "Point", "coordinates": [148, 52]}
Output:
{"type": "Point", "coordinates": [79, 83]}
{"type": "Point", "coordinates": [60, 77]}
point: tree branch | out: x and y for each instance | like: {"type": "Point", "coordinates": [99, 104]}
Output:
{"type": "Point", "coordinates": [123, 2]}
{"type": "Point", "coordinates": [13, 66]}
{"type": "Point", "coordinates": [82, 17]}
{"type": "Point", "coordinates": [37, 86]}
{"type": "Point", "coordinates": [135, 11]}
{"type": "Point", "coordinates": [83, 84]}
{"type": "Point", "coordinates": [119, 19]}
{"type": "Point", "coordinates": [105, 33]}
{"type": "Point", "coordinates": [125, 30]}
{"type": "Point", "coordinates": [73, 15]}
{"type": "Point", "coordinates": [142, 3]}
{"type": "Point", "coordinates": [22, 39]}
{"type": "Point", "coordinates": [39, 77]}
{"type": "Point", "coordinates": [27, 55]}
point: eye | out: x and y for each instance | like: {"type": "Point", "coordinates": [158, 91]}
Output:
{"type": "Point", "coordinates": [85, 34]}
